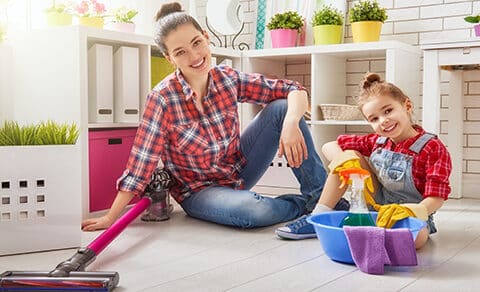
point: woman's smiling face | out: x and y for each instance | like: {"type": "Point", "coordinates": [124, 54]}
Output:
{"type": "Point", "coordinates": [188, 50]}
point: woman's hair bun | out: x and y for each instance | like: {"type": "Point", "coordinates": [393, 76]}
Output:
{"type": "Point", "coordinates": [167, 9]}
{"type": "Point", "coordinates": [369, 79]}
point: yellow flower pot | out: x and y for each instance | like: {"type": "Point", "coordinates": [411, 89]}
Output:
{"type": "Point", "coordinates": [96, 22]}
{"type": "Point", "coordinates": [366, 31]}
{"type": "Point", "coordinates": [58, 19]}
{"type": "Point", "coordinates": [327, 34]}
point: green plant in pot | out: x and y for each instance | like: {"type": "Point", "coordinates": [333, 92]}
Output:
{"type": "Point", "coordinates": [284, 28]}
{"type": "Point", "coordinates": [59, 14]}
{"type": "Point", "coordinates": [366, 18]}
{"type": "Point", "coordinates": [327, 26]}
{"type": "Point", "coordinates": [476, 20]}
{"type": "Point", "coordinates": [123, 20]}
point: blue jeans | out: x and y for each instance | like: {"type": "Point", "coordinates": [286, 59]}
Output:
{"type": "Point", "coordinates": [247, 209]}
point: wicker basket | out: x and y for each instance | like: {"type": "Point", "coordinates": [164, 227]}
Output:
{"type": "Point", "coordinates": [340, 112]}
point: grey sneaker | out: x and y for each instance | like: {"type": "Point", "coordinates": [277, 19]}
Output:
{"type": "Point", "coordinates": [297, 229]}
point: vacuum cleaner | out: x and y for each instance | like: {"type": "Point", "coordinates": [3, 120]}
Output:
{"type": "Point", "coordinates": [70, 275]}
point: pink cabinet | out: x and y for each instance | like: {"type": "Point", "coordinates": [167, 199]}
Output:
{"type": "Point", "coordinates": [108, 154]}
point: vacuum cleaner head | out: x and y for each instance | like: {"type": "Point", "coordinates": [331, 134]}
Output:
{"type": "Point", "coordinates": [43, 281]}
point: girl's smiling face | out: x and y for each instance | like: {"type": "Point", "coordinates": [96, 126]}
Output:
{"type": "Point", "coordinates": [188, 50]}
{"type": "Point", "coordinates": [390, 117]}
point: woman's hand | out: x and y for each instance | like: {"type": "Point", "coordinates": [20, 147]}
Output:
{"type": "Point", "coordinates": [97, 223]}
{"type": "Point", "coordinates": [292, 144]}
{"type": "Point", "coordinates": [121, 200]}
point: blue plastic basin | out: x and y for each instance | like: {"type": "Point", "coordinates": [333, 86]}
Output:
{"type": "Point", "coordinates": [333, 239]}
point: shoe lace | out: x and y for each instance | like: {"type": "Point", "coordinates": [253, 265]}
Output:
{"type": "Point", "coordinates": [299, 223]}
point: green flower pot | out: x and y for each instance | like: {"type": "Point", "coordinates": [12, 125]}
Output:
{"type": "Point", "coordinates": [327, 34]}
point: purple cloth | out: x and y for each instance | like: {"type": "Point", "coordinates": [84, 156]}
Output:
{"type": "Point", "coordinates": [374, 247]}
{"type": "Point", "coordinates": [367, 245]}
{"type": "Point", "coordinates": [400, 247]}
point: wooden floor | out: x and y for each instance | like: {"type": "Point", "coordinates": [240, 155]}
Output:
{"type": "Point", "coordinates": [185, 254]}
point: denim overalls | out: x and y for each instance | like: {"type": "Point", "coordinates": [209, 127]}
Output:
{"type": "Point", "coordinates": [394, 173]}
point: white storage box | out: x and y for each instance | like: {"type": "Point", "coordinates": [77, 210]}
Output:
{"type": "Point", "coordinates": [279, 174]}
{"type": "Point", "coordinates": [40, 198]}
{"type": "Point", "coordinates": [100, 84]}
{"type": "Point", "coordinates": [127, 85]}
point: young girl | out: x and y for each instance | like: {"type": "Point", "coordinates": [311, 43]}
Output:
{"type": "Point", "coordinates": [410, 167]}
{"type": "Point", "coordinates": [191, 123]}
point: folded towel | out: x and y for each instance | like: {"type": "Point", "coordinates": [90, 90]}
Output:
{"type": "Point", "coordinates": [400, 247]}
{"type": "Point", "coordinates": [367, 245]}
{"type": "Point", "coordinates": [374, 247]}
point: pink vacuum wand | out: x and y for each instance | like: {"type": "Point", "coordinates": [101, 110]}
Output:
{"type": "Point", "coordinates": [71, 274]}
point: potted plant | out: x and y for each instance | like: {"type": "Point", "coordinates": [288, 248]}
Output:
{"type": "Point", "coordinates": [284, 28]}
{"type": "Point", "coordinates": [327, 26]}
{"type": "Point", "coordinates": [59, 13]}
{"type": "Point", "coordinates": [123, 20]}
{"type": "Point", "coordinates": [91, 13]}
{"type": "Point", "coordinates": [40, 186]}
{"type": "Point", "coordinates": [366, 18]}
{"type": "Point", "coordinates": [474, 19]}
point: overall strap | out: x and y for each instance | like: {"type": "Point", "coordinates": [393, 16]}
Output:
{"type": "Point", "coordinates": [381, 140]}
{"type": "Point", "coordinates": [418, 145]}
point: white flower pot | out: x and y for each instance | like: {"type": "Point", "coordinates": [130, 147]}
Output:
{"type": "Point", "coordinates": [121, 26]}
{"type": "Point", "coordinates": [40, 198]}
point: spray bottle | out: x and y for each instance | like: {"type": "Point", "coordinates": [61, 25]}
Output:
{"type": "Point", "coordinates": [358, 215]}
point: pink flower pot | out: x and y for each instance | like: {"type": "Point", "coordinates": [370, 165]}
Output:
{"type": "Point", "coordinates": [283, 38]}
{"type": "Point", "coordinates": [476, 27]}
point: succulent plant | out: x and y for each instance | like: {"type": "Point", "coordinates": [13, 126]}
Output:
{"type": "Point", "coordinates": [327, 15]}
{"type": "Point", "coordinates": [367, 10]}
{"type": "Point", "coordinates": [286, 20]}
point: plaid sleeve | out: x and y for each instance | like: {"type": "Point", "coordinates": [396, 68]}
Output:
{"type": "Point", "coordinates": [438, 169]}
{"type": "Point", "coordinates": [257, 88]}
{"type": "Point", "coordinates": [363, 144]}
{"type": "Point", "coordinates": [147, 146]}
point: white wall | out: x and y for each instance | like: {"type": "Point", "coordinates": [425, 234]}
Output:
{"type": "Point", "coordinates": [5, 84]}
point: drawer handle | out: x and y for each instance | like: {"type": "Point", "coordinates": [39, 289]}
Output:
{"type": "Point", "coordinates": [466, 51]}
{"type": "Point", "coordinates": [131, 111]}
{"type": "Point", "coordinates": [105, 111]}
{"type": "Point", "coordinates": [114, 141]}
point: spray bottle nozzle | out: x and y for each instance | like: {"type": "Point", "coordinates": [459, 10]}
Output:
{"type": "Point", "coordinates": [354, 176]}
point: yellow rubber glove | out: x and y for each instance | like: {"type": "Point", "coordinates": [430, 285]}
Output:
{"type": "Point", "coordinates": [389, 214]}
{"type": "Point", "coordinates": [345, 156]}
{"type": "Point", "coordinates": [349, 160]}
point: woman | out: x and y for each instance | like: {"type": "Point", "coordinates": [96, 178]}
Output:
{"type": "Point", "coordinates": [191, 123]}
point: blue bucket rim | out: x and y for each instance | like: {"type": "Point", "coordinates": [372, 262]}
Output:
{"type": "Point", "coordinates": [422, 224]}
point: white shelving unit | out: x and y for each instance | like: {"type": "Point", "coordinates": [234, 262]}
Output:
{"type": "Point", "coordinates": [53, 65]}
{"type": "Point", "coordinates": [328, 65]}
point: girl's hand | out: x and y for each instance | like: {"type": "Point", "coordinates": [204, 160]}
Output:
{"type": "Point", "coordinates": [292, 144]}
{"type": "Point", "coordinates": [97, 223]}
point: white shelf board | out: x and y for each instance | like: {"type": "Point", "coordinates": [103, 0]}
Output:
{"type": "Point", "coordinates": [474, 42]}
{"type": "Point", "coordinates": [350, 50]}
{"type": "Point", "coordinates": [112, 125]}
{"type": "Point", "coordinates": [113, 37]}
